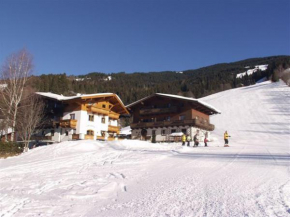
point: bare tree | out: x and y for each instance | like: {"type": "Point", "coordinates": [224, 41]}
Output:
{"type": "Point", "coordinates": [14, 75]}
{"type": "Point", "coordinates": [30, 116]}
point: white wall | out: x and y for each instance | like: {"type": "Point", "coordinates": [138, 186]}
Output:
{"type": "Point", "coordinates": [83, 125]}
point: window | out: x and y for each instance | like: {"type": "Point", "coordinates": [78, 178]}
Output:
{"type": "Point", "coordinates": [91, 117]}
{"type": "Point", "coordinates": [103, 133]}
{"type": "Point", "coordinates": [52, 132]}
{"type": "Point", "coordinates": [104, 106]}
{"type": "Point", "coordinates": [90, 132]}
{"type": "Point", "coordinates": [163, 132]}
{"type": "Point", "coordinates": [72, 116]}
{"type": "Point", "coordinates": [103, 120]}
{"type": "Point", "coordinates": [173, 130]}
{"type": "Point", "coordinates": [66, 133]}
{"type": "Point", "coordinates": [182, 117]}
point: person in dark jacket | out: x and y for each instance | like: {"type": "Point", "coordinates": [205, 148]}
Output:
{"type": "Point", "coordinates": [195, 139]}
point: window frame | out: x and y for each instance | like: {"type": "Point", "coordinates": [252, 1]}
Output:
{"type": "Point", "coordinates": [103, 120]}
{"type": "Point", "coordinates": [91, 117]}
{"type": "Point", "coordinates": [181, 117]}
{"type": "Point", "coordinates": [73, 116]}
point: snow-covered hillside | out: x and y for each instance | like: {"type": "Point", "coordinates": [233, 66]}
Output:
{"type": "Point", "coordinates": [134, 178]}
{"type": "Point", "coordinates": [251, 71]}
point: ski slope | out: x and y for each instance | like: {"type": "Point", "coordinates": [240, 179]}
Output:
{"type": "Point", "coordinates": [135, 178]}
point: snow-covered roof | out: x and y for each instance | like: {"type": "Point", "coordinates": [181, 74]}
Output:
{"type": "Point", "coordinates": [176, 97]}
{"type": "Point", "coordinates": [176, 134]}
{"type": "Point", "coordinates": [62, 98]}
{"type": "Point", "coordinates": [81, 96]}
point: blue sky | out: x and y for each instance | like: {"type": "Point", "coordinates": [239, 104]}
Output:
{"type": "Point", "coordinates": [82, 36]}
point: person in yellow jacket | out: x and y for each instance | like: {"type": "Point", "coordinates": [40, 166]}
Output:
{"type": "Point", "coordinates": [183, 138]}
{"type": "Point", "coordinates": [226, 138]}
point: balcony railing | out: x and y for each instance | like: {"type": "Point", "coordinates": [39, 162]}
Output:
{"type": "Point", "coordinates": [68, 123]}
{"type": "Point", "coordinates": [114, 129]}
{"type": "Point", "coordinates": [99, 111]}
{"type": "Point", "coordinates": [150, 111]}
{"type": "Point", "coordinates": [114, 115]}
{"type": "Point", "coordinates": [190, 122]}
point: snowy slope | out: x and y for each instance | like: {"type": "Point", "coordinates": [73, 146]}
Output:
{"type": "Point", "coordinates": [251, 71]}
{"type": "Point", "coordinates": [134, 178]}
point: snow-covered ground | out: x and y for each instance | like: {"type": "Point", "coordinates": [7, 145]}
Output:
{"type": "Point", "coordinates": [134, 178]}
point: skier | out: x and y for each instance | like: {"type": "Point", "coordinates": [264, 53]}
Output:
{"type": "Point", "coordinates": [195, 139]}
{"type": "Point", "coordinates": [205, 141]}
{"type": "Point", "coordinates": [183, 138]}
{"type": "Point", "coordinates": [188, 138]}
{"type": "Point", "coordinates": [226, 137]}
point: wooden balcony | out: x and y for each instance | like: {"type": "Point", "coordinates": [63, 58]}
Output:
{"type": "Point", "coordinates": [75, 136]}
{"type": "Point", "coordinates": [113, 115]}
{"type": "Point", "coordinates": [41, 138]}
{"type": "Point", "coordinates": [89, 137]}
{"type": "Point", "coordinates": [114, 129]}
{"type": "Point", "coordinates": [99, 111]}
{"type": "Point", "coordinates": [151, 111]}
{"type": "Point", "coordinates": [68, 123]}
{"type": "Point", "coordinates": [190, 122]}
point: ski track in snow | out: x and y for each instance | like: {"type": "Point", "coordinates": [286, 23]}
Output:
{"type": "Point", "coordinates": [135, 178]}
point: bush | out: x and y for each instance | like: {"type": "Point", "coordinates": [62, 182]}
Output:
{"type": "Point", "coordinates": [10, 148]}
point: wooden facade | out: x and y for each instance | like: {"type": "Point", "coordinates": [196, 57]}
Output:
{"type": "Point", "coordinates": [163, 111]}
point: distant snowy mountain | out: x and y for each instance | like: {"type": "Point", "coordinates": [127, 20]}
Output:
{"type": "Point", "coordinates": [137, 178]}
{"type": "Point", "coordinates": [251, 71]}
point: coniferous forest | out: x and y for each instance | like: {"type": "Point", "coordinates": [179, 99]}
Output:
{"type": "Point", "coordinates": [191, 83]}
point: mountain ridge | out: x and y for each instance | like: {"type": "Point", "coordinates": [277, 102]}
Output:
{"type": "Point", "coordinates": [191, 83]}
